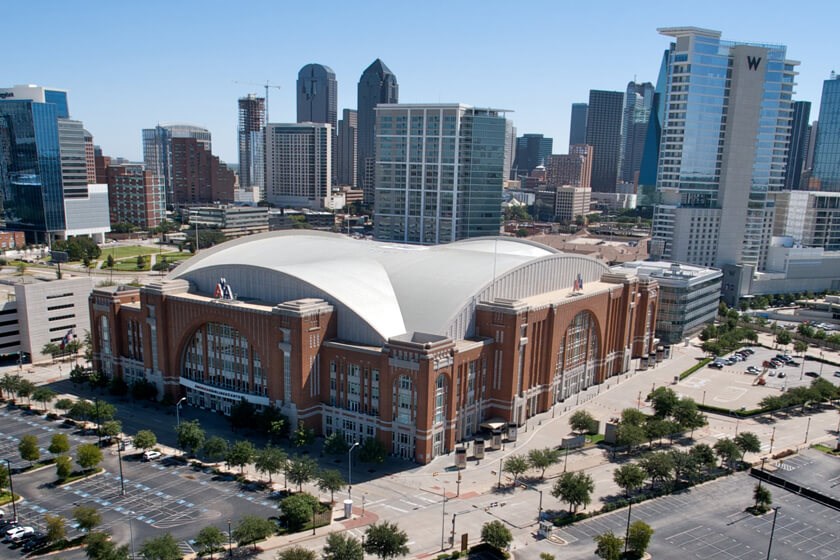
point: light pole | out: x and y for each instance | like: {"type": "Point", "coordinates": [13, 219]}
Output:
{"type": "Point", "coordinates": [230, 542]}
{"type": "Point", "coordinates": [501, 464]}
{"type": "Point", "coordinates": [566, 460]}
{"type": "Point", "coordinates": [12, 490]}
{"type": "Point", "coordinates": [443, 520]}
{"type": "Point", "coordinates": [350, 470]}
{"type": "Point", "coordinates": [772, 530]}
{"type": "Point", "coordinates": [131, 533]}
{"type": "Point", "coordinates": [627, 531]}
{"type": "Point", "coordinates": [772, 440]}
{"type": "Point", "coordinates": [821, 363]}
{"type": "Point", "coordinates": [178, 412]}
{"type": "Point", "coordinates": [119, 457]}
{"type": "Point", "coordinates": [807, 429]}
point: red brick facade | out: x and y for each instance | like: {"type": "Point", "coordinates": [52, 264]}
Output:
{"type": "Point", "coordinates": [419, 394]}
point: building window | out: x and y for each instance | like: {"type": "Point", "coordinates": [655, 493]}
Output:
{"type": "Point", "coordinates": [220, 355]}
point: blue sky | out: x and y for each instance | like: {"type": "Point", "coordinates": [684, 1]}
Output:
{"type": "Point", "coordinates": [130, 65]}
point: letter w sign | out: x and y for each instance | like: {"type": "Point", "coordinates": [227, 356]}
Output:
{"type": "Point", "coordinates": [753, 62]}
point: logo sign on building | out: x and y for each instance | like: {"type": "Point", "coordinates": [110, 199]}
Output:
{"type": "Point", "coordinates": [753, 62]}
{"type": "Point", "coordinates": [6, 94]}
{"type": "Point", "coordinates": [223, 290]}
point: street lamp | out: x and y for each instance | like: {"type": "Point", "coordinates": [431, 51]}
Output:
{"type": "Point", "coordinates": [178, 412]}
{"type": "Point", "coordinates": [230, 541]}
{"type": "Point", "coordinates": [627, 531]}
{"type": "Point", "coordinates": [119, 457]}
{"type": "Point", "coordinates": [131, 533]}
{"type": "Point", "coordinates": [772, 530]}
{"type": "Point", "coordinates": [12, 490]}
{"type": "Point", "coordinates": [350, 470]}
{"type": "Point", "coordinates": [443, 521]}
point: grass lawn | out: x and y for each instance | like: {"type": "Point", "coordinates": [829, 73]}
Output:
{"type": "Point", "coordinates": [129, 265]}
{"type": "Point", "coordinates": [123, 251]}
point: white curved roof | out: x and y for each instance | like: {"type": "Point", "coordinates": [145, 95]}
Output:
{"type": "Point", "coordinates": [388, 289]}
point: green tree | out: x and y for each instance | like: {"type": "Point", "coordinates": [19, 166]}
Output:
{"type": "Point", "coordinates": [51, 349]}
{"type": "Point", "coordinates": [608, 546]}
{"type": "Point", "coordinates": [111, 428]}
{"type": "Point", "coordinates": [496, 534]}
{"type": "Point", "coordinates": [386, 540]}
{"type": "Point", "coordinates": [86, 517]}
{"type": "Point", "coordinates": [296, 552]}
{"type": "Point", "coordinates": [727, 450]}
{"type": "Point", "coordinates": [330, 480]}
{"type": "Point", "coordinates": [88, 456]}
{"type": "Point", "coordinates": [747, 442]}
{"type": "Point", "coordinates": [703, 456]}
{"type": "Point", "coordinates": [270, 460]}
{"type": "Point", "coordinates": [342, 546]}
{"type": "Point", "coordinates": [190, 436]}
{"type": "Point", "coordinates": [9, 384]}
{"type": "Point", "coordinates": [63, 467]}
{"type": "Point", "coordinates": [783, 338]}
{"type": "Point", "coordinates": [25, 389]}
{"type": "Point", "coordinates": [659, 467]}
{"type": "Point", "coordinates": [800, 347]}
{"type": "Point", "coordinates": [215, 448]}
{"type": "Point", "coordinates": [574, 488]}
{"type": "Point", "coordinates": [763, 498]}
{"type": "Point", "coordinates": [242, 414]}
{"type": "Point", "coordinates": [43, 395]}
{"type": "Point", "coordinates": [629, 477]}
{"type": "Point", "coordinates": [663, 400]}
{"type": "Point", "coordinates": [118, 387]}
{"type": "Point", "coordinates": [98, 546]}
{"type": "Point", "coordinates": [251, 529]}
{"type": "Point", "coordinates": [335, 444]}
{"type": "Point", "coordinates": [301, 470]}
{"type": "Point", "coordinates": [141, 262]}
{"type": "Point", "coordinates": [687, 414]}
{"type": "Point", "coordinates": [372, 451]}
{"type": "Point", "coordinates": [298, 509]}
{"type": "Point", "coordinates": [771, 402]}
{"type": "Point", "coordinates": [516, 465]}
{"type": "Point", "coordinates": [629, 435]}
{"type": "Point", "coordinates": [583, 422]}
{"type": "Point", "coordinates": [633, 417]}
{"type": "Point", "coordinates": [541, 459]}
{"type": "Point", "coordinates": [64, 404]}
{"type": "Point", "coordinates": [638, 537]}
{"type": "Point", "coordinates": [302, 436]}
{"type": "Point", "coordinates": [209, 541]}
{"type": "Point", "coordinates": [28, 448]}
{"type": "Point", "coordinates": [59, 444]}
{"type": "Point", "coordinates": [54, 528]}
{"type": "Point", "coordinates": [240, 454]}
{"type": "Point", "coordinates": [145, 439]}
{"type": "Point", "coordinates": [823, 389]}
{"type": "Point", "coordinates": [164, 547]}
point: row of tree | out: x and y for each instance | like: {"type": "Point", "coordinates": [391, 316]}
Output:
{"type": "Point", "coordinates": [821, 390]}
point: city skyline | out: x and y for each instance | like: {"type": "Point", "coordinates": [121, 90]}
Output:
{"type": "Point", "coordinates": [191, 77]}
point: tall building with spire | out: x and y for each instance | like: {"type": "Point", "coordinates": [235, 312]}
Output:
{"type": "Point", "coordinates": [317, 95]}
{"type": "Point", "coordinates": [716, 164]}
{"type": "Point", "coordinates": [250, 133]}
{"type": "Point", "coordinates": [378, 85]}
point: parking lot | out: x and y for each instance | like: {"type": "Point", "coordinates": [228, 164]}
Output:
{"type": "Point", "coordinates": [812, 469]}
{"type": "Point", "coordinates": [709, 521]}
{"type": "Point", "coordinates": [16, 424]}
{"type": "Point", "coordinates": [733, 388]}
{"type": "Point", "coordinates": [160, 496]}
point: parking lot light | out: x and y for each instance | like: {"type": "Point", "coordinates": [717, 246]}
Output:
{"type": "Point", "coordinates": [350, 470]}
{"type": "Point", "coordinates": [230, 541]}
{"type": "Point", "coordinates": [772, 530]}
{"type": "Point", "coordinates": [12, 491]}
{"type": "Point", "coordinates": [178, 412]}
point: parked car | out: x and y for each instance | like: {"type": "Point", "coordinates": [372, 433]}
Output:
{"type": "Point", "coordinates": [17, 534]}
{"type": "Point", "coordinates": [749, 351]}
{"type": "Point", "coordinates": [754, 370]}
{"type": "Point", "coordinates": [837, 374]}
{"type": "Point", "coordinates": [771, 365]}
{"type": "Point", "coordinates": [151, 455]}
{"type": "Point", "coordinates": [812, 374]}
{"type": "Point", "coordinates": [782, 374]}
{"type": "Point", "coordinates": [717, 365]}
{"type": "Point", "coordinates": [35, 541]}
{"type": "Point", "coordinates": [793, 363]}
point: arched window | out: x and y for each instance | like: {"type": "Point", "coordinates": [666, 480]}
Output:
{"type": "Point", "coordinates": [581, 347]}
{"type": "Point", "coordinates": [104, 335]}
{"type": "Point", "coordinates": [220, 355]}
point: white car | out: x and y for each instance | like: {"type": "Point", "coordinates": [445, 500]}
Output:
{"type": "Point", "coordinates": [151, 455]}
{"type": "Point", "coordinates": [18, 533]}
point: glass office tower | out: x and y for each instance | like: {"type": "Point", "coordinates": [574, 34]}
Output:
{"type": "Point", "coordinates": [439, 172]}
{"type": "Point", "coordinates": [724, 143]}
{"type": "Point", "coordinates": [825, 175]}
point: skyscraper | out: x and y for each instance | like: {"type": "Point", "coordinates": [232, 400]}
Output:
{"type": "Point", "coordinates": [798, 144]}
{"type": "Point", "coordinates": [298, 164]}
{"type": "Point", "coordinates": [577, 124]}
{"type": "Point", "coordinates": [572, 169]}
{"type": "Point", "coordinates": [198, 177]}
{"type": "Point", "coordinates": [348, 138]}
{"type": "Point", "coordinates": [825, 175]}
{"type": "Point", "coordinates": [157, 151]}
{"type": "Point", "coordinates": [638, 101]}
{"type": "Point", "coordinates": [377, 85]}
{"type": "Point", "coordinates": [439, 172]}
{"type": "Point", "coordinates": [715, 164]}
{"type": "Point", "coordinates": [317, 95]}
{"type": "Point", "coordinates": [43, 168]}
{"type": "Point", "coordinates": [603, 133]}
{"type": "Point", "coordinates": [532, 150]}
{"type": "Point", "coordinates": [250, 134]}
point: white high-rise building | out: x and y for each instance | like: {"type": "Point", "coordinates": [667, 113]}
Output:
{"type": "Point", "coordinates": [298, 164]}
{"type": "Point", "coordinates": [724, 143]}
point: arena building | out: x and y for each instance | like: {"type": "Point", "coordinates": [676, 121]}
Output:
{"type": "Point", "coordinates": [416, 346]}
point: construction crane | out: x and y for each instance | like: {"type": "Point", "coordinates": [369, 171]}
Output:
{"type": "Point", "coordinates": [266, 85]}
